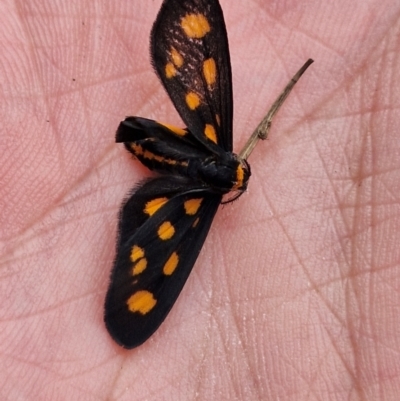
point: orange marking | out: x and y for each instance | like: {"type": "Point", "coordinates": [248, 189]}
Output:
{"type": "Point", "coordinates": [152, 206]}
{"type": "Point", "coordinates": [210, 71]}
{"type": "Point", "coordinates": [195, 25]}
{"type": "Point", "coordinates": [151, 156]}
{"type": "Point", "coordinates": [141, 301]}
{"type": "Point", "coordinates": [192, 100]}
{"type": "Point", "coordinates": [170, 70]}
{"type": "Point", "coordinates": [209, 132]}
{"type": "Point", "coordinates": [192, 206]}
{"type": "Point", "coordinates": [239, 177]}
{"type": "Point", "coordinates": [218, 120]}
{"type": "Point", "coordinates": [195, 223]}
{"type": "Point", "coordinates": [139, 267]}
{"type": "Point", "coordinates": [175, 130]}
{"type": "Point", "coordinates": [171, 264]}
{"type": "Point", "coordinates": [137, 253]}
{"type": "Point", "coordinates": [137, 149]}
{"type": "Point", "coordinates": [176, 57]}
{"type": "Point", "coordinates": [146, 154]}
{"type": "Point", "coordinates": [166, 231]}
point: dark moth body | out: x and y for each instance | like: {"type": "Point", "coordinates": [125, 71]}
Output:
{"type": "Point", "coordinates": [175, 151]}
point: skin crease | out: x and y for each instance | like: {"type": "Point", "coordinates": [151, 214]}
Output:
{"type": "Point", "coordinates": [296, 294]}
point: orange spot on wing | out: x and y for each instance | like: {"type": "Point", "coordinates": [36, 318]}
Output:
{"type": "Point", "coordinates": [170, 70]}
{"type": "Point", "coordinates": [210, 71]}
{"type": "Point", "coordinates": [192, 206]}
{"type": "Point", "coordinates": [175, 130]}
{"type": "Point", "coordinates": [152, 206]}
{"type": "Point", "coordinates": [137, 253]}
{"type": "Point", "coordinates": [195, 25]}
{"type": "Point", "coordinates": [192, 100]}
{"type": "Point", "coordinates": [171, 264]}
{"type": "Point", "coordinates": [176, 57]}
{"type": "Point", "coordinates": [139, 267]}
{"type": "Point", "coordinates": [166, 231]}
{"type": "Point", "coordinates": [209, 132]}
{"type": "Point", "coordinates": [141, 301]}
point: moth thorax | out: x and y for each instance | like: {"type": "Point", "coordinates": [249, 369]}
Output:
{"type": "Point", "coordinates": [225, 174]}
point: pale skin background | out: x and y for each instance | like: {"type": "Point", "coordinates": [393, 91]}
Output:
{"type": "Point", "coordinates": [296, 294]}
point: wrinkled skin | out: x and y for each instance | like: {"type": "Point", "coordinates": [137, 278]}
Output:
{"type": "Point", "coordinates": [296, 294]}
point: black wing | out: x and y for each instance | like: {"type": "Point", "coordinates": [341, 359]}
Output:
{"type": "Point", "coordinates": [190, 52]}
{"type": "Point", "coordinates": [162, 229]}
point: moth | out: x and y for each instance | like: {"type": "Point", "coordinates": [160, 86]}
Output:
{"type": "Point", "coordinates": [164, 222]}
